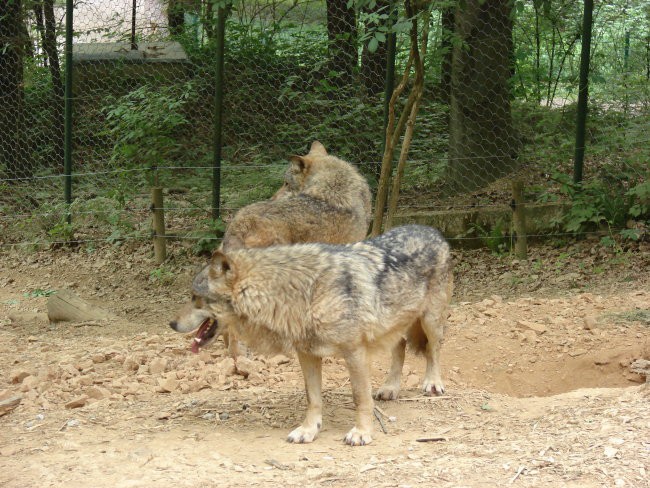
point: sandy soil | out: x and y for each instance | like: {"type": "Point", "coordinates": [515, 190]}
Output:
{"type": "Point", "coordinates": [536, 364]}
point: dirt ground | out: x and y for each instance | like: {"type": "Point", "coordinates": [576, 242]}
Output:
{"type": "Point", "coordinates": [536, 365]}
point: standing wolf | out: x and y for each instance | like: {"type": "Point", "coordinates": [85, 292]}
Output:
{"type": "Point", "coordinates": [319, 300]}
{"type": "Point", "coordinates": [323, 199]}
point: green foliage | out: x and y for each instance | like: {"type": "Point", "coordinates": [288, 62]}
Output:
{"type": "Point", "coordinates": [106, 213]}
{"type": "Point", "coordinates": [145, 124]}
{"type": "Point", "coordinates": [39, 293]}
{"type": "Point", "coordinates": [496, 238]}
{"type": "Point", "coordinates": [48, 224]}
{"type": "Point", "coordinates": [162, 276]}
{"type": "Point", "coordinates": [640, 195]}
{"type": "Point", "coordinates": [595, 204]}
{"type": "Point", "coordinates": [208, 237]}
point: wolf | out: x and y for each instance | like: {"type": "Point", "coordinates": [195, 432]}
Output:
{"type": "Point", "coordinates": [320, 300]}
{"type": "Point", "coordinates": [322, 199]}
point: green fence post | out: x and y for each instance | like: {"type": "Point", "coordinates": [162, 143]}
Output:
{"type": "Point", "coordinates": [67, 142]}
{"type": "Point", "coordinates": [218, 112]}
{"type": "Point", "coordinates": [583, 91]}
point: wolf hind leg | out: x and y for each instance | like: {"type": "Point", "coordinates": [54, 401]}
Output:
{"type": "Point", "coordinates": [390, 389]}
{"type": "Point", "coordinates": [433, 325]}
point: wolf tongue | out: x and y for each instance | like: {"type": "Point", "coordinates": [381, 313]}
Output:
{"type": "Point", "coordinates": [198, 339]}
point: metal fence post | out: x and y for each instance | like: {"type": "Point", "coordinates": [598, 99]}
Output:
{"type": "Point", "coordinates": [67, 143]}
{"type": "Point", "coordinates": [583, 92]}
{"type": "Point", "coordinates": [218, 112]}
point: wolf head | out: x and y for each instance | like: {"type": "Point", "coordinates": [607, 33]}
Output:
{"type": "Point", "coordinates": [299, 170]}
{"type": "Point", "coordinates": [209, 309]}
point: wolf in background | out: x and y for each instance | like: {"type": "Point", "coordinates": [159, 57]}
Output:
{"type": "Point", "coordinates": [322, 300]}
{"type": "Point", "coordinates": [323, 199]}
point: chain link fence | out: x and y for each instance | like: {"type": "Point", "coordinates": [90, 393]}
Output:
{"type": "Point", "coordinates": [499, 103]}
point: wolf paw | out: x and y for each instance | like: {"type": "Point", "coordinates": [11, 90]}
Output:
{"type": "Point", "coordinates": [357, 437]}
{"type": "Point", "coordinates": [386, 393]}
{"type": "Point", "coordinates": [434, 389]}
{"type": "Point", "coordinates": [302, 435]}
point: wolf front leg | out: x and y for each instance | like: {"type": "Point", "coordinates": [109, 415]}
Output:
{"type": "Point", "coordinates": [312, 373]}
{"type": "Point", "coordinates": [359, 368]}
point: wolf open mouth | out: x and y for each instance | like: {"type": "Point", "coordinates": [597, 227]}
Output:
{"type": "Point", "coordinates": [206, 331]}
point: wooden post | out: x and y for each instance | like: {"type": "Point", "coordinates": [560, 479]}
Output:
{"type": "Point", "coordinates": [159, 246]}
{"type": "Point", "coordinates": [519, 219]}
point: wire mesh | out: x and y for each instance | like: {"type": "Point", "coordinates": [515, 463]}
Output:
{"type": "Point", "coordinates": [499, 103]}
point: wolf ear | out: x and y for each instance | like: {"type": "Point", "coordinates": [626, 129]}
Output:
{"type": "Point", "coordinates": [318, 148]}
{"type": "Point", "coordinates": [220, 264]}
{"type": "Point", "coordinates": [200, 283]}
{"type": "Point", "coordinates": [300, 162]}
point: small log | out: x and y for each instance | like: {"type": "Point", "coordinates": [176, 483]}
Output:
{"type": "Point", "coordinates": [65, 306]}
{"type": "Point", "coordinates": [8, 404]}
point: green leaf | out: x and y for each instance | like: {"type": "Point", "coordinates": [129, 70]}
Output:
{"type": "Point", "coordinates": [373, 45]}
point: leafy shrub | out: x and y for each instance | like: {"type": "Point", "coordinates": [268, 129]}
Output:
{"type": "Point", "coordinates": [145, 124]}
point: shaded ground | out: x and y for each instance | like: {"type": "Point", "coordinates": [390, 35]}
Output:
{"type": "Point", "coordinates": [535, 362]}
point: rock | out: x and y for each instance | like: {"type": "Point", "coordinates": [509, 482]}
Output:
{"type": "Point", "coordinates": [589, 323]}
{"type": "Point", "coordinates": [529, 336]}
{"type": "Point", "coordinates": [279, 360]}
{"type": "Point", "coordinates": [227, 366]}
{"type": "Point", "coordinates": [577, 352]}
{"type": "Point", "coordinates": [98, 393]}
{"type": "Point", "coordinates": [80, 401]}
{"type": "Point", "coordinates": [18, 375]}
{"type": "Point", "coordinates": [8, 404]}
{"type": "Point", "coordinates": [168, 384]}
{"type": "Point", "coordinates": [98, 357]}
{"type": "Point", "coordinates": [246, 366]}
{"type": "Point", "coordinates": [30, 383]}
{"type": "Point", "coordinates": [525, 324]}
{"type": "Point", "coordinates": [158, 365]}
{"type": "Point", "coordinates": [133, 361]}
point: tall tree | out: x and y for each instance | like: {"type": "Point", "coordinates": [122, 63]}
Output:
{"type": "Point", "coordinates": [446, 46]}
{"type": "Point", "coordinates": [13, 156]}
{"type": "Point", "coordinates": [482, 141]}
{"type": "Point", "coordinates": [58, 90]}
{"type": "Point", "coordinates": [373, 63]}
{"type": "Point", "coordinates": [342, 37]}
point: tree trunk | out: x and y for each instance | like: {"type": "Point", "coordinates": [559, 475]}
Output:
{"type": "Point", "coordinates": [482, 142]}
{"type": "Point", "coordinates": [342, 37]}
{"type": "Point", "coordinates": [175, 17]}
{"type": "Point", "coordinates": [373, 64]}
{"type": "Point", "coordinates": [58, 91]}
{"type": "Point", "coordinates": [446, 45]}
{"type": "Point", "coordinates": [13, 156]}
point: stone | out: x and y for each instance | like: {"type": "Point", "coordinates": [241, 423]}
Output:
{"type": "Point", "coordinates": [98, 393]}
{"type": "Point", "coordinates": [158, 365]}
{"type": "Point", "coordinates": [168, 384]}
{"type": "Point", "coordinates": [525, 324]}
{"type": "Point", "coordinates": [18, 375]}
{"type": "Point", "coordinates": [77, 402]}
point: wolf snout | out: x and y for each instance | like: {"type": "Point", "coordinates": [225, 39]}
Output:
{"type": "Point", "coordinates": [174, 325]}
